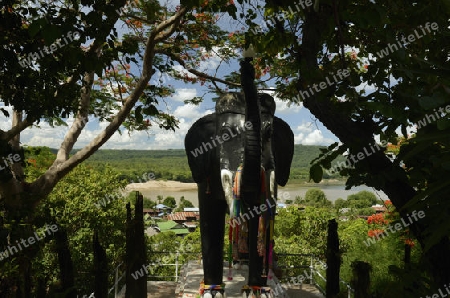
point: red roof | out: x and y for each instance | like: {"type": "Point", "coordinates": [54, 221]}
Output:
{"type": "Point", "coordinates": [379, 208]}
{"type": "Point", "coordinates": [181, 215]}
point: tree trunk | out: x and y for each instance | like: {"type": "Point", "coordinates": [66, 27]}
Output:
{"type": "Point", "coordinates": [357, 135]}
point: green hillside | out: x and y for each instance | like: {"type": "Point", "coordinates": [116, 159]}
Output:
{"type": "Point", "coordinates": [172, 164]}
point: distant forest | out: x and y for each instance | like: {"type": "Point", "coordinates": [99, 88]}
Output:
{"type": "Point", "coordinates": [171, 164]}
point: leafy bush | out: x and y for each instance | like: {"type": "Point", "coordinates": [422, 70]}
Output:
{"type": "Point", "coordinates": [74, 206]}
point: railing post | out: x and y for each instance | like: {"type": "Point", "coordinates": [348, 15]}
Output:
{"type": "Point", "coordinates": [176, 266]}
{"type": "Point", "coordinates": [311, 277]}
{"type": "Point", "coordinates": [116, 282]}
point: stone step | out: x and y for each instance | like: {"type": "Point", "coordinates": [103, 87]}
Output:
{"type": "Point", "coordinates": [192, 274]}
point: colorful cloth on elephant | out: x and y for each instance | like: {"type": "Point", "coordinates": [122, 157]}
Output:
{"type": "Point", "coordinates": [237, 185]}
{"type": "Point", "coordinates": [204, 287]}
{"type": "Point", "coordinates": [261, 240]}
{"type": "Point", "coordinates": [243, 238]}
{"type": "Point", "coordinates": [261, 244]}
{"type": "Point", "coordinates": [235, 251]}
{"type": "Point", "coordinates": [240, 232]}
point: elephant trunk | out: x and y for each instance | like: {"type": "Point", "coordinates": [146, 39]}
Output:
{"type": "Point", "coordinates": [251, 173]}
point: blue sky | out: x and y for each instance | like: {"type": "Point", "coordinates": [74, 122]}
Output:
{"type": "Point", "coordinates": [307, 130]}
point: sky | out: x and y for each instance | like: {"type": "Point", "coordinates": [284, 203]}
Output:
{"type": "Point", "coordinates": [307, 130]}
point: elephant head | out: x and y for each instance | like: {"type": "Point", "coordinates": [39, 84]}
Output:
{"type": "Point", "coordinates": [243, 130]}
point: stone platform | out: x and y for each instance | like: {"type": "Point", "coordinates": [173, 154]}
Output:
{"type": "Point", "coordinates": [192, 274]}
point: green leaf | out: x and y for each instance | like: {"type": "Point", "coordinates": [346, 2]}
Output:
{"type": "Point", "coordinates": [51, 33]}
{"type": "Point", "coordinates": [443, 124]}
{"type": "Point", "coordinates": [5, 112]}
{"type": "Point", "coordinates": [386, 109]}
{"type": "Point", "coordinates": [433, 136]}
{"type": "Point", "coordinates": [373, 17]}
{"type": "Point", "coordinates": [36, 26]}
{"type": "Point", "coordinates": [431, 102]}
{"type": "Point", "coordinates": [316, 173]}
{"type": "Point", "coordinates": [231, 9]}
{"type": "Point", "coordinates": [150, 110]}
{"type": "Point", "coordinates": [416, 150]}
{"type": "Point", "coordinates": [138, 114]}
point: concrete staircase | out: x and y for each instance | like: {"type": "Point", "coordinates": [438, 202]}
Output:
{"type": "Point", "coordinates": [192, 274]}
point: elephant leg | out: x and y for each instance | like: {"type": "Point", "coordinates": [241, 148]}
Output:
{"type": "Point", "coordinates": [255, 261]}
{"type": "Point", "coordinates": [208, 293]}
{"type": "Point", "coordinates": [212, 230]}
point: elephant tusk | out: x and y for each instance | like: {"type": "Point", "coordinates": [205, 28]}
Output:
{"type": "Point", "coordinates": [272, 185]}
{"type": "Point", "coordinates": [227, 186]}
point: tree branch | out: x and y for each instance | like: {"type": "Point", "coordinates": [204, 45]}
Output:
{"type": "Point", "coordinates": [16, 129]}
{"type": "Point", "coordinates": [356, 135]}
{"type": "Point", "coordinates": [200, 74]}
{"type": "Point", "coordinates": [80, 121]}
{"type": "Point", "coordinates": [45, 183]}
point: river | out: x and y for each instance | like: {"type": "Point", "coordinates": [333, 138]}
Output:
{"type": "Point", "coordinates": [290, 191]}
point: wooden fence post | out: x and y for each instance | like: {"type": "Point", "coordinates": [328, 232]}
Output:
{"type": "Point", "coordinates": [361, 279]}
{"type": "Point", "coordinates": [136, 260]}
{"type": "Point", "coordinates": [333, 260]}
{"type": "Point", "coordinates": [100, 269]}
{"type": "Point", "coordinates": [65, 263]}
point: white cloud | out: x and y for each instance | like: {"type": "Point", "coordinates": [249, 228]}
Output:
{"type": "Point", "coordinates": [316, 138]}
{"type": "Point", "coordinates": [6, 122]}
{"type": "Point", "coordinates": [44, 136]}
{"type": "Point", "coordinates": [156, 138]}
{"type": "Point", "coordinates": [284, 107]}
{"type": "Point", "coordinates": [208, 65]}
{"type": "Point", "coordinates": [213, 60]}
{"type": "Point", "coordinates": [305, 127]}
{"type": "Point", "coordinates": [305, 134]}
{"type": "Point", "coordinates": [183, 94]}
{"type": "Point", "coordinates": [188, 111]}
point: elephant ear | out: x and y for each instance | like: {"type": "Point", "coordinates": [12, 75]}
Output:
{"type": "Point", "coordinates": [283, 150]}
{"type": "Point", "coordinates": [198, 155]}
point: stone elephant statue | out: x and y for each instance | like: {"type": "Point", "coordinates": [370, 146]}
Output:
{"type": "Point", "coordinates": [242, 145]}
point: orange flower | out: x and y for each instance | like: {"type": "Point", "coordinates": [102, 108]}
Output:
{"type": "Point", "coordinates": [137, 23]}
{"type": "Point", "coordinates": [377, 219]}
{"type": "Point", "coordinates": [375, 232]}
{"type": "Point", "coordinates": [409, 242]}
